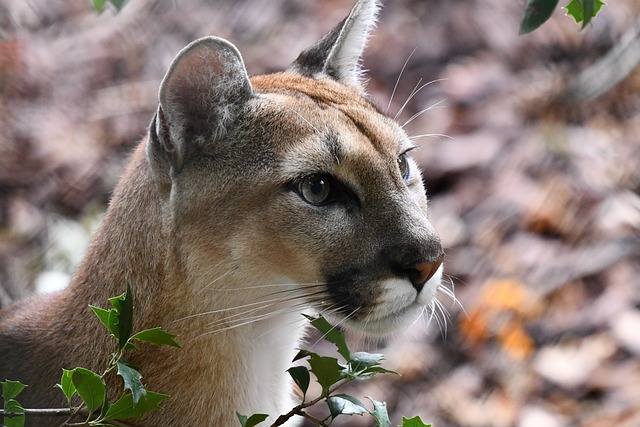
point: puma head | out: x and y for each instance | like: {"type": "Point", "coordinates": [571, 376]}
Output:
{"type": "Point", "coordinates": [294, 186]}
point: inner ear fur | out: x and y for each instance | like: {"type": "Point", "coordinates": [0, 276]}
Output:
{"type": "Point", "coordinates": [338, 55]}
{"type": "Point", "coordinates": [200, 96]}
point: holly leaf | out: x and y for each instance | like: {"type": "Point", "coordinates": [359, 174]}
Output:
{"type": "Point", "coordinates": [374, 370]}
{"type": "Point", "coordinates": [300, 375]}
{"type": "Point", "coordinates": [11, 405]}
{"type": "Point", "coordinates": [536, 13]}
{"type": "Point", "coordinates": [123, 304]}
{"type": "Point", "coordinates": [105, 406]}
{"type": "Point", "coordinates": [584, 10]}
{"type": "Point", "coordinates": [11, 389]}
{"type": "Point", "coordinates": [98, 5]}
{"type": "Point", "coordinates": [90, 387]}
{"type": "Point", "coordinates": [107, 319]}
{"type": "Point", "coordinates": [302, 353]}
{"type": "Point", "coordinates": [132, 382]}
{"type": "Point", "coordinates": [118, 4]}
{"type": "Point", "coordinates": [251, 421]}
{"type": "Point", "coordinates": [345, 405]}
{"type": "Point", "coordinates": [331, 334]}
{"type": "Point", "coordinates": [124, 408]}
{"type": "Point", "coordinates": [380, 413]}
{"type": "Point", "coordinates": [156, 336]}
{"type": "Point", "coordinates": [326, 369]}
{"type": "Point", "coordinates": [362, 360]}
{"type": "Point", "coordinates": [413, 422]}
{"type": "Point", "coordinates": [66, 385]}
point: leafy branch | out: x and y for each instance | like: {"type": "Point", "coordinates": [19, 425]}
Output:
{"type": "Point", "coordinates": [537, 12]}
{"type": "Point", "coordinates": [91, 388]}
{"type": "Point", "coordinates": [100, 5]}
{"type": "Point", "coordinates": [332, 376]}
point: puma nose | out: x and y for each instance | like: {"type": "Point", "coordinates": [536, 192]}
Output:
{"type": "Point", "coordinates": [419, 273]}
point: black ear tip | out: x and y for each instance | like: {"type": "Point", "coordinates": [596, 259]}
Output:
{"type": "Point", "coordinates": [312, 60]}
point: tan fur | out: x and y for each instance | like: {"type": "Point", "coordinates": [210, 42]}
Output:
{"type": "Point", "coordinates": [218, 230]}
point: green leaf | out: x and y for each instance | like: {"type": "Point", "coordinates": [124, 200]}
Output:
{"type": "Point", "coordinates": [11, 389]}
{"type": "Point", "coordinates": [302, 354]}
{"type": "Point", "coordinates": [106, 318]}
{"type": "Point", "coordinates": [90, 387]}
{"type": "Point", "coordinates": [66, 385]}
{"type": "Point", "coordinates": [584, 10]}
{"type": "Point", "coordinates": [331, 334]}
{"type": "Point", "coordinates": [98, 5]}
{"type": "Point", "coordinates": [362, 360]}
{"type": "Point", "coordinates": [123, 304]}
{"type": "Point", "coordinates": [11, 405]}
{"type": "Point", "coordinates": [345, 405]}
{"type": "Point", "coordinates": [300, 375]}
{"type": "Point", "coordinates": [132, 382]}
{"type": "Point", "coordinates": [413, 422]}
{"type": "Point", "coordinates": [251, 421]}
{"type": "Point", "coordinates": [118, 4]}
{"type": "Point", "coordinates": [326, 369]}
{"type": "Point", "coordinates": [380, 413]}
{"type": "Point", "coordinates": [124, 407]}
{"type": "Point", "coordinates": [374, 370]}
{"type": "Point", "coordinates": [156, 336]}
{"type": "Point", "coordinates": [536, 13]}
{"type": "Point", "coordinates": [105, 407]}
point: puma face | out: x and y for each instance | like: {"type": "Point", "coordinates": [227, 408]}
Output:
{"type": "Point", "coordinates": [343, 212]}
{"type": "Point", "coordinates": [305, 193]}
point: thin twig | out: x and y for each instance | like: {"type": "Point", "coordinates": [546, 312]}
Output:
{"type": "Point", "coordinates": [37, 412]}
{"type": "Point", "coordinates": [299, 409]}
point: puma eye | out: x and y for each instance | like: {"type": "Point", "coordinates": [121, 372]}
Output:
{"type": "Point", "coordinates": [315, 189]}
{"type": "Point", "coordinates": [403, 164]}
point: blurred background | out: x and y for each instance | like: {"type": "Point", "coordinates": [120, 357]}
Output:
{"type": "Point", "coordinates": [534, 189]}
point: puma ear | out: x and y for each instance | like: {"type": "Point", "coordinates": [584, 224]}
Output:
{"type": "Point", "coordinates": [338, 54]}
{"type": "Point", "coordinates": [200, 96]}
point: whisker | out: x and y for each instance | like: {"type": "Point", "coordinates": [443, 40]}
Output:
{"type": "Point", "coordinates": [415, 91]}
{"type": "Point", "coordinates": [302, 288]}
{"type": "Point", "coordinates": [450, 293]}
{"type": "Point", "coordinates": [246, 321]}
{"type": "Point", "coordinates": [302, 322]}
{"type": "Point", "coordinates": [421, 112]}
{"type": "Point", "coordinates": [296, 287]}
{"type": "Point", "coordinates": [336, 325]}
{"type": "Point", "coordinates": [422, 312]}
{"type": "Point", "coordinates": [445, 315]}
{"type": "Point", "coordinates": [436, 315]}
{"type": "Point", "coordinates": [398, 80]}
{"type": "Point", "coordinates": [222, 310]}
{"type": "Point", "coordinates": [431, 135]}
{"type": "Point", "coordinates": [303, 118]}
{"type": "Point", "coordinates": [222, 276]}
{"type": "Point", "coordinates": [271, 302]}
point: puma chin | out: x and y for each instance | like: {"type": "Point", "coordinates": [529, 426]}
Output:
{"type": "Point", "coordinates": [397, 309]}
{"type": "Point", "coordinates": [250, 201]}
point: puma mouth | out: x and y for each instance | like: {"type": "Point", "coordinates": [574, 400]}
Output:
{"type": "Point", "coordinates": [385, 324]}
{"type": "Point", "coordinates": [394, 305]}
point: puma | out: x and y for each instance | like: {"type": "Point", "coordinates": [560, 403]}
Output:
{"type": "Point", "coordinates": [249, 201]}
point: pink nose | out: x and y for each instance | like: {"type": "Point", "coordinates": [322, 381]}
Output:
{"type": "Point", "coordinates": [421, 272]}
